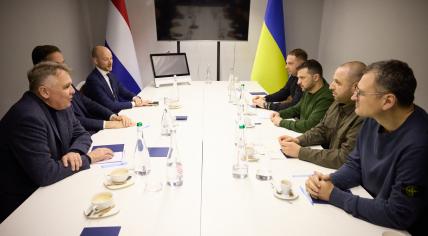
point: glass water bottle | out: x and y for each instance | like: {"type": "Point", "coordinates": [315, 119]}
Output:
{"type": "Point", "coordinates": [174, 167]}
{"type": "Point", "coordinates": [141, 153]}
{"type": "Point", "coordinates": [240, 168]}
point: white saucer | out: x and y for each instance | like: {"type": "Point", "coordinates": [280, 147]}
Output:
{"type": "Point", "coordinates": [250, 159]}
{"type": "Point", "coordinates": [113, 186]}
{"type": "Point", "coordinates": [174, 106]}
{"type": "Point", "coordinates": [250, 125]}
{"type": "Point", "coordinates": [102, 214]}
{"type": "Point", "coordinates": [250, 113]}
{"type": "Point", "coordinates": [286, 197]}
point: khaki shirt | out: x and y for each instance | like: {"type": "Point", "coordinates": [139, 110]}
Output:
{"type": "Point", "coordinates": [338, 131]}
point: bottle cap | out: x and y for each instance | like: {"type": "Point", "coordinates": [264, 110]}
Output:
{"type": "Point", "coordinates": [139, 124]}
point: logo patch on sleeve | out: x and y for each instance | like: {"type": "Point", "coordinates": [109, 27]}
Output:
{"type": "Point", "coordinates": [411, 190]}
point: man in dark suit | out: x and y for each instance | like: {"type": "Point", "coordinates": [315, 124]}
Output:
{"type": "Point", "coordinates": [291, 93]}
{"type": "Point", "coordinates": [103, 87]}
{"type": "Point", "coordinates": [92, 116]}
{"type": "Point", "coordinates": [41, 140]}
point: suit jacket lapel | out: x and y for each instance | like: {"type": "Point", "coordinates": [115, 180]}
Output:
{"type": "Point", "coordinates": [50, 119]}
{"type": "Point", "coordinates": [114, 85]}
{"type": "Point", "coordinates": [78, 105]}
{"type": "Point", "coordinates": [63, 129]}
{"type": "Point", "coordinates": [104, 82]}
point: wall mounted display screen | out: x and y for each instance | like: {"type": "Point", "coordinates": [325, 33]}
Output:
{"type": "Point", "coordinates": [178, 20]}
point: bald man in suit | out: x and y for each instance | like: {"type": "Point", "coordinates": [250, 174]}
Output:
{"type": "Point", "coordinates": [103, 87]}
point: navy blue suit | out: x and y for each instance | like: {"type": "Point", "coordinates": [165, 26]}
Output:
{"type": "Point", "coordinates": [90, 114]}
{"type": "Point", "coordinates": [292, 89]}
{"type": "Point", "coordinates": [33, 139]}
{"type": "Point", "coordinates": [98, 90]}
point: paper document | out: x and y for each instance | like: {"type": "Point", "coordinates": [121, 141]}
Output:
{"type": "Point", "coordinates": [264, 114]}
{"type": "Point", "coordinates": [117, 152]}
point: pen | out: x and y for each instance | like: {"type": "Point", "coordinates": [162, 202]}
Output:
{"type": "Point", "coordinates": [120, 163]}
{"type": "Point", "coordinates": [306, 195]}
{"type": "Point", "coordinates": [301, 175]}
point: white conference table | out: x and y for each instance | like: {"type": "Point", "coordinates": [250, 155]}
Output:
{"type": "Point", "coordinates": [211, 201]}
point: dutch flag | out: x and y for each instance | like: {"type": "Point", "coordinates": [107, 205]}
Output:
{"type": "Point", "coordinates": [119, 41]}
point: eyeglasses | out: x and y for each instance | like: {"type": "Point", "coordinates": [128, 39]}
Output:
{"type": "Point", "coordinates": [359, 93]}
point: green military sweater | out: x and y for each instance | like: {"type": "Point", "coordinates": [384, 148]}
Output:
{"type": "Point", "coordinates": [309, 111]}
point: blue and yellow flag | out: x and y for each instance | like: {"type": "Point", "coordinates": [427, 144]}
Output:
{"type": "Point", "coordinates": [269, 64]}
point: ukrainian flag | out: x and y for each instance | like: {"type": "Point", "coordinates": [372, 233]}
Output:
{"type": "Point", "coordinates": [269, 64]}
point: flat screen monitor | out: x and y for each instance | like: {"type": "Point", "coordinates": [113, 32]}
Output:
{"type": "Point", "coordinates": [178, 20]}
{"type": "Point", "coordinates": [169, 64]}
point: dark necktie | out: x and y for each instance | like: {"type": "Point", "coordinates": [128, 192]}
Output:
{"type": "Point", "coordinates": [111, 85]}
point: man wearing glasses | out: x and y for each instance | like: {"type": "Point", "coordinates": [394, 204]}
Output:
{"type": "Point", "coordinates": [390, 157]}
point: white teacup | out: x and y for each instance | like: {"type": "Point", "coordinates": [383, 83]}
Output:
{"type": "Point", "coordinates": [285, 187]}
{"type": "Point", "coordinates": [119, 175]}
{"type": "Point", "coordinates": [174, 104]}
{"type": "Point", "coordinates": [102, 200]}
{"type": "Point", "coordinates": [249, 150]}
{"type": "Point", "coordinates": [248, 122]}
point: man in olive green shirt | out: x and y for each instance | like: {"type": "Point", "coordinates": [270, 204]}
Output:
{"type": "Point", "coordinates": [311, 108]}
{"type": "Point", "coordinates": [339, 128]}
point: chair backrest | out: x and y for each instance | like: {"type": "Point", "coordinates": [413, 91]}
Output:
{"type": "Point", "coordinates": [80, 85]}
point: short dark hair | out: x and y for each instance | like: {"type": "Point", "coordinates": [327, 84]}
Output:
{"type": "Point", "coordinates": [96, 49]}
{"type": "Point", "coordinates": [356, 70]}
{"type": "Point", "coordinates": [94, 52]}
{"type": "Point", "coordinates": [396, 77]}
{"type": "Point", "coordinates": [38, 74]}
{"type": "Point", "coordinates": [299, 53]}
{"type": "Point", "coordinates": [41, 52]}
{"type": "Point", "coordinates": [313, 66]}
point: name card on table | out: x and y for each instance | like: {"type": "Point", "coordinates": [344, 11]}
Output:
{"type": "Point", "coordinates": [105, 231]}
{"type": "Point", "coordinates": [258, 93]}
{"type": "Point", "coordinates": [180, 117]}
{"type": "Point", "coordinates": [158, 151]}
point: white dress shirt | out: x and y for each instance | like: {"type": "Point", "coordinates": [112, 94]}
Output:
{"type": "Point", "coordinates": [106, 78]}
